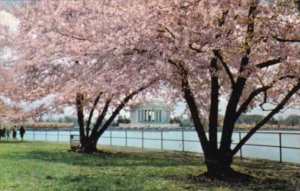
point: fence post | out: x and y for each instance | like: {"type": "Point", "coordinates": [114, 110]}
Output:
{"type": "Point", "coordinates": [161, 140]}
{"type": "Point", "coordinates": [182, 132]}
{"type": "Point", "coordinates": [280, 148]}
{"type": "Point", "coordinates": [241, 151]}
{"type": "Point", "coordinates": [57, 135]}
{"type": "Point", "coordinates": [142, 138]}
{"type": "Point", "coordinates": [46, 134]}
{"type": "Point", "coordinates": [125, 137]}
{"type": "Point", "coordinates": [33, 130]}
{"type": "Point", "coordinates": [110, 137]}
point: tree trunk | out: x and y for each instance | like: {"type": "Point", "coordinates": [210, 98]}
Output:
{"type": "Point", "coordinates": [89, 145]}
{"type": "Point", "coordinates": [218, 164]}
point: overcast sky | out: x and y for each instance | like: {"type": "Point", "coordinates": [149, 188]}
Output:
{"type": "Point", "coordinates": [8, 20]}
{"type": "Point", "coordinates": [285, 112]}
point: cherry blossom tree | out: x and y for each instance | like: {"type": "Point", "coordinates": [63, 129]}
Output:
{"type": "Point", "coordinates": [246, 52]}
{"type": "Point", "coordinates": [79, 53]}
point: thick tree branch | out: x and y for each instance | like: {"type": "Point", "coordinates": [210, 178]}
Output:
{"type": "Point", "coordinates": [245, 105]}
{"type": "Point", "coordinates": [91, 113]}
{"type": "Point", "coordinates": [100, 118]}
{"type": "Point", "coordinates": [229, 118]}
{"type": "Point", "coordinates": [225, 65]}
{"type": "Point", "coordinates": [189, 97]}
{"type": "Point", "coordinates": [221, 21]}
{"type": "Point", "coordinates": [298, 4]}
{"type": "Point", "coordinates": [281, 39]}
{"type": "Point", "coordinates": [249, 35]}
{"type": "Point", "coordinates": [284, 101]}
{"type": "Point", "coordinates": [214, 103]}
{"type": "Point", "coordinates": [269, 63]}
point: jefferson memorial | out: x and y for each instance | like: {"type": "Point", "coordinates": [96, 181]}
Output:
{"type": "Point", "coordinates": [150, 115]}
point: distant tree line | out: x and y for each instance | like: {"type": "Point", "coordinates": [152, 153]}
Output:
{"type": "Point", "coordinates": [291, 120]}
{"type": "Point", "coordinates": [183, 122]}
{"type": "Point", "coordinates": [121, 119]}
{"type": "Point", "coordinates": [65, 119]}
{"type": "Point", "coordinates": [73, 119]}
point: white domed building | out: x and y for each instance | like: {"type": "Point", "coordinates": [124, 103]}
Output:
{"type": "Point", "coordinates": [150, 115]}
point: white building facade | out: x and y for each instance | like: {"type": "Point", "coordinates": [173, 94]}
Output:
{"type": "Point", "coordinates": [153, 115]}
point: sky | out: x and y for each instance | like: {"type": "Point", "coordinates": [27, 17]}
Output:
{"type": "Point", "coordinates": [180, 107]}
{"type": "Point", "coordinates": [11, 22]}
{"type": "Point", "coordinates": [8, 20]}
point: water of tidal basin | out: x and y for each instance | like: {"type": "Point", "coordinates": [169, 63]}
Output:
{"type": "Point", "coordinates": [173, 141]}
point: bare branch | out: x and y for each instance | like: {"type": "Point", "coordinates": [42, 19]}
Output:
{"type": "Point", "coordinates": [92, 112]}
{"type": "Point", "coordinates": [225, 65]}
{"type": "Point", "coordinates": [190, 99]}
{"type": "Point", "coordinates": [265, 100]}
{"type": "Point", "coordinates": [101, 116]}
{"type": "Point", "coordinates": [75, 36]}
{"type": "Point", "coordinates": [256, 92]}
{"type": "Point", "coordinates": [140, 51]}
{"type": "Point", "coordinates": [221, 21]}
{"type": "Point", "coordinates": [270, 63]}
{"type": "Point", "coordinates": [245, 105]}
{"type": "Point", "coordinates": [70, 36]}
{"type": "Point", "coordinates": [280, 39]}
{"type": "Point", "coordinates": [267, 118]}
{"type": "Point", "coordinates": [168, 30]}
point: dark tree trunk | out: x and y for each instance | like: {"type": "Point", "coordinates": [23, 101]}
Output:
{"type": "Point", "coordinates": [80, 116]}
{"type": "Point", "coordinates": [218, 163]}
{"type": "Point", "coordinates": [214, 106]}
{"type": "Point", "coordinates": [89, 145]}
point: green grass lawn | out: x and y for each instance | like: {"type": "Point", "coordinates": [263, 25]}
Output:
{"type": "Point", "coordinates": [49, 166]}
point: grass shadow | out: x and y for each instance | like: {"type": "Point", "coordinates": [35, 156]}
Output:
{"type": "Point", "coordinates": [107, 158]}
{"type": "Point", "coordinates": [245, 181]}
{"type": "Point", "coordinates": [11, 141]}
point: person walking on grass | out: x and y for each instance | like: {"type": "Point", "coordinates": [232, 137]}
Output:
{"type": "Point", "coordinates": [14, 134]}
{"type": "Point", "coordinates": [22, 132]}
{"type": "Point", "coordinates": [4, 133]}
{"type": "Point", "coordinates": [8, 134]}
